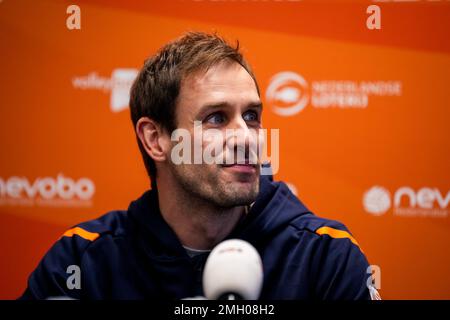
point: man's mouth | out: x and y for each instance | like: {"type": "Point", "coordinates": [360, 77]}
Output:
{"type": "Point", "coordinates": [245, 167]}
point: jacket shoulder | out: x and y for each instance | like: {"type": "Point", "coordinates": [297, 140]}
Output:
{"type": "Point", "coordinates": [341, 265]}
{"type": "Point", "coordinates": [50, 277]}
{"type": "Point", "coordinates": [113, 223]}
{"type": "Point", "coordinates": [324, 228]}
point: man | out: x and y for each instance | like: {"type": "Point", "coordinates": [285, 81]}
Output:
{"type": "Point", "coordinates": [158, 247]}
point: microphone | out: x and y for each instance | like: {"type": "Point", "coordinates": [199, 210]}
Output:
{"type": "Point", "coordinates": [233, 271]}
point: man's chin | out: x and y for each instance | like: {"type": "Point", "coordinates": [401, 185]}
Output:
{"type": "Point", "coordinates": [238, 194]}
{"type": "Point", "coordinates": [234, 202]}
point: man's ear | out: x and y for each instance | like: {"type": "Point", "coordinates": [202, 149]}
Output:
{"type": "Point", "coordinates": [153, 138]}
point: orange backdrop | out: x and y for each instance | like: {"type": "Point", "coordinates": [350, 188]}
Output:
{"type": "Point", "coordinates": [364, 135]}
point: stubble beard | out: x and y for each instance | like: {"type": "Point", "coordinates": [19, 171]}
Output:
{"type": "Point", "coordinates": [206, 186]}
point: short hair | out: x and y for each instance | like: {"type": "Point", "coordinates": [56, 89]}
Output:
{"type": "Point", "coordinates": [155, 91]}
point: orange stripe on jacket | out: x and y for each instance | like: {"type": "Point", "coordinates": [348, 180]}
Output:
{"type": "Point", "coordinates": [82, 233]}
{"type": "Point", "coordinates": [337, 234]}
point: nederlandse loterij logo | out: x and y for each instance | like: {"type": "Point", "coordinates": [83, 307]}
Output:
{"type": "Point", "coordinates": [425, 202]}
{"type": "Point", "coordinates": [287, 93]}
{"type": "Point", "coordinates": [119, 85]}
{"type": "Point", "coordinates": [46, 191]}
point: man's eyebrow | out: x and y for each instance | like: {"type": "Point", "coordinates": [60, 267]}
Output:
{"type": "Point", "coordinates": [211, 107]}
{"type": "Point", "coordinates": [255, 105]}
{"type": "Point", "coordinates": [219, 105]}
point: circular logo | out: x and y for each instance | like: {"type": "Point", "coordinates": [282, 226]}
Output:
{"type": "Point", "coordinates": [377, 200]}
{"type": "Point", "coordinates": [287, 93]}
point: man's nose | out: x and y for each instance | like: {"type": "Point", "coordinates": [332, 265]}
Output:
{"type": "Point", "coordinates": [240, 134]}
{"type": "Point", "coordinates": [242, 140]}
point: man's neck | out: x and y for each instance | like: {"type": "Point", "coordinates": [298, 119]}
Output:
{"type": "Point", "coordinates": [197, 223]}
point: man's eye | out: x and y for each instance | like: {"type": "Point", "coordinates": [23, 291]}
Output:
{"type": "Point", "coordinates": [215, 118]}
{"type": "Point", "coordinates": [250, 116]}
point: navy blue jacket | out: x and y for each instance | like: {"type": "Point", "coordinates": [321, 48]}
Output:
{"type": "Point", "coordinates": [134, 254]}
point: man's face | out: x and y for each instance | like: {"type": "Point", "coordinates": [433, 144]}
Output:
{"type": "Point", "coordinates": [224, 99]}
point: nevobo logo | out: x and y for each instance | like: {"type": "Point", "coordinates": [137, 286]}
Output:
{"type": "Point", "coordinates": [47, 188]}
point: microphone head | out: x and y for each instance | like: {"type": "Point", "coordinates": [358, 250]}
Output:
{"type": "Point", "coordinates": [233, 268]}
